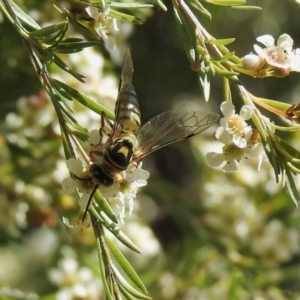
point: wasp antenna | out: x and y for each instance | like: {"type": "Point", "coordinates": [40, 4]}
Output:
{"type": "Point", "coordinates": [89, 202]}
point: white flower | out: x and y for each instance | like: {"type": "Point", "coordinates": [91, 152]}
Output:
{"type": "Point", "coordinates": [81, 180]}
{"type": "Point", "coordinates": [97, 144]}
{"type": "Point", "coordinates": [281, 55]}
{"type": "Point", "coordinates": [229, 157]}
{"type": "Point", "coordinates": [104, 25]}
{"type": "Point", "coordinates": [235, 124]}
{"type": "Point", "coordinates": [256, 149]}
{"type": "Point", "coordinates": [253, 62]}
{"type": "Point", "coordinates": [275, 242]}
{"type": "Point", "coordinates": [74, 282]}
{"type": "Point", "coordinates": [94, 137]}
{"type": "Point", "coordinates": [120, 194]}
{"type": "Point", "coordinates": [135, 177]}
{"type": "Point", "coordinates": [239, 139]}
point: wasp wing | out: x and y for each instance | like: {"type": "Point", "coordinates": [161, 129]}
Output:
{"type": "Point", "coordinates": [170, 127]}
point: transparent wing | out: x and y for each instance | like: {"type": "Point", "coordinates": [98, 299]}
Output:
{"type": "Point", "coordinates": [170, 127]}
{"type": "Point", "coordinates": [123, 95]}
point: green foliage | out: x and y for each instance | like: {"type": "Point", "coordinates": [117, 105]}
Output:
{"type": "Point", "coordinates": [227, 254]}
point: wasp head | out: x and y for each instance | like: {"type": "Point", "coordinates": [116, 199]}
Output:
{"type": "Point", "coordinates": [101, 176]}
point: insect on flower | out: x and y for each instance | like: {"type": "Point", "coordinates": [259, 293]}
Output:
{"type": "Point", "coordinates": [125, 143]}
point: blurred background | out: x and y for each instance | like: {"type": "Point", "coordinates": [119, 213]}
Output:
{"type": "Point", "coordinates": [204, 234]}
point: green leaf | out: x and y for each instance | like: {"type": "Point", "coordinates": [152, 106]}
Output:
{"type": "Point", "coordinates": [19, 13]}
{"type": "Point", "coordinates": [247, 7]}
{"type": "Point", "coordinates": [86, 101]}
{"type": "Point", "coordinates": [79, 134]}
{"type": "Point", "coordinates": [127, 295]}
{"type": "Point", "coordinates": [289, 152]}
{"type": "Point", "coordinates": [234, 79]}
{"type": "Point", "coordinates": [186, 37]}
{"type": "Point", "coordinates": [81, 27]}
{"type": "Point", "coordinates": [115, 230]}
{"type": "Point", "coordinates": [129, 5]}
{"type": "Point", "coordinates": [226, 2]}
{"type": "Point", "coordinates": [220, 42]}
{"type": "Point", "coordinates": [79, 131]}
{"type": "Point", "coordinates": [231, 75]}
{"type": "Point", "coordinates": [125, 265]}
{"type": "Point", "coordinates": [74, 47]}
{"type": "Point", "coordinates": [224, 58]}
{"type": "Point", "coordinates": [125, 17]}
{"type": "Point", "coordinates": [227, 73]}
{"type": "Point", "coordinates": [226, 90]}
{"type": "Point", "coordinates": [104, 207]}
{"type": "Point", "coordinates": [102, 270]}
{"type": "Point", "coordinates": [204, 78]}
{"type": "Point", "coordinates": [62, 91]}
{"type": "Point", "coordinates": [49, 30]}
{"type": "Point", "coordinates": [274, 161]}
{"type": "Point", "coordinates": [275, 104]}
{"type": "Point", "coordinates": [160, 5]}
{"type": "Point", "coordinates": [64, 67]}
{"type": "Point", "coordinates": [200, 9]}
{"type": "Point", "coordinates": [66, 146]}
{"type": "Point", "coordinates": [286, 129]}
{"type": "Point", "coordinates": [291, 188]}
{"type": "Point", "coordinates": [126, 288]}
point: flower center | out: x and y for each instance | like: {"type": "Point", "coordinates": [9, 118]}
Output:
{"type": "Point", "coordinates": [232, 152]}
{"type": "Point", "coordinates": [236, 125]}
{"type": "Point", "coordinates": [277, 55]}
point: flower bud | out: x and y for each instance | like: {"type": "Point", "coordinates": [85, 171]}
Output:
{"type": "Point", "coordinates": [253, 62]}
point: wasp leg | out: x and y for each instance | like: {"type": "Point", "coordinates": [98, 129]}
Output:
{"type": "Point", "coordinates": [103, 129]}
{"type": "Point", "coordinates": [82, 179]}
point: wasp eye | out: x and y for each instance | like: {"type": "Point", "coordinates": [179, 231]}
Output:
{"type": "Point", "coordinates": [101, 176]}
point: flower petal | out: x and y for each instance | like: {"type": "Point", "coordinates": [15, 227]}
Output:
{"type": "Point", "coordinates": [109, 192]}
{"type": "Point", "coordinates": [115, 25]}
{"type": "Point", "coordinates": [239, 141]}
{"type": "Point", "coordinates": [94, 137]}
{"type": "Point", "coordinates": [295, 64]}
{"type": "Point", "coordinates": [214, 159]}
{"type": "Point", "coordinates": [255, 150]}
{"type": "Point", "coordinates": [83, 201]}
{"type": "Point", "coordinates": [227, 109]}
{"type": "Point", "coordinates": [106, 9]}
{"type": "Point", "coordinates": [224, 137]}
{"type": "Point", "coordinates": [68, 185]}
{"type": "Point", "coordinates": [75, 166]}
{"type": "Point", "coordinates": [246, 112]}
{"type": "Point", "coordinates": [137, 174]}
{"type": "Point", "coordinates": [223, 123]}
{"type": "Point", "coordinates": [285, 42]}
{"type": "Point", "coordinates": [259, 51]}
{"type": "Point", "coordinates": [266, 40]}
{"type": "Point", "coordinates": [253, 62]}
{"type": "Point", "coordinates": [231, 166]}
{"type": "Point", "coordinates": [93, 12]}
{"type": "Point", "coordinates": [66, 221]}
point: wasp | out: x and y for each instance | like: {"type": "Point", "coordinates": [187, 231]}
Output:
{"type": "Point", "coordinates": [128, 143]}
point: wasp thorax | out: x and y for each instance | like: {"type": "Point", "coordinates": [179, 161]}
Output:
{"type": "Point", "coordinates": [101, 176]}
{"type": "Point", "coordinates": [120, 154]}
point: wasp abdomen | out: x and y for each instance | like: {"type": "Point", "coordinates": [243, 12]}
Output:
{"type": "Point", "coordinates": [130, 116]}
